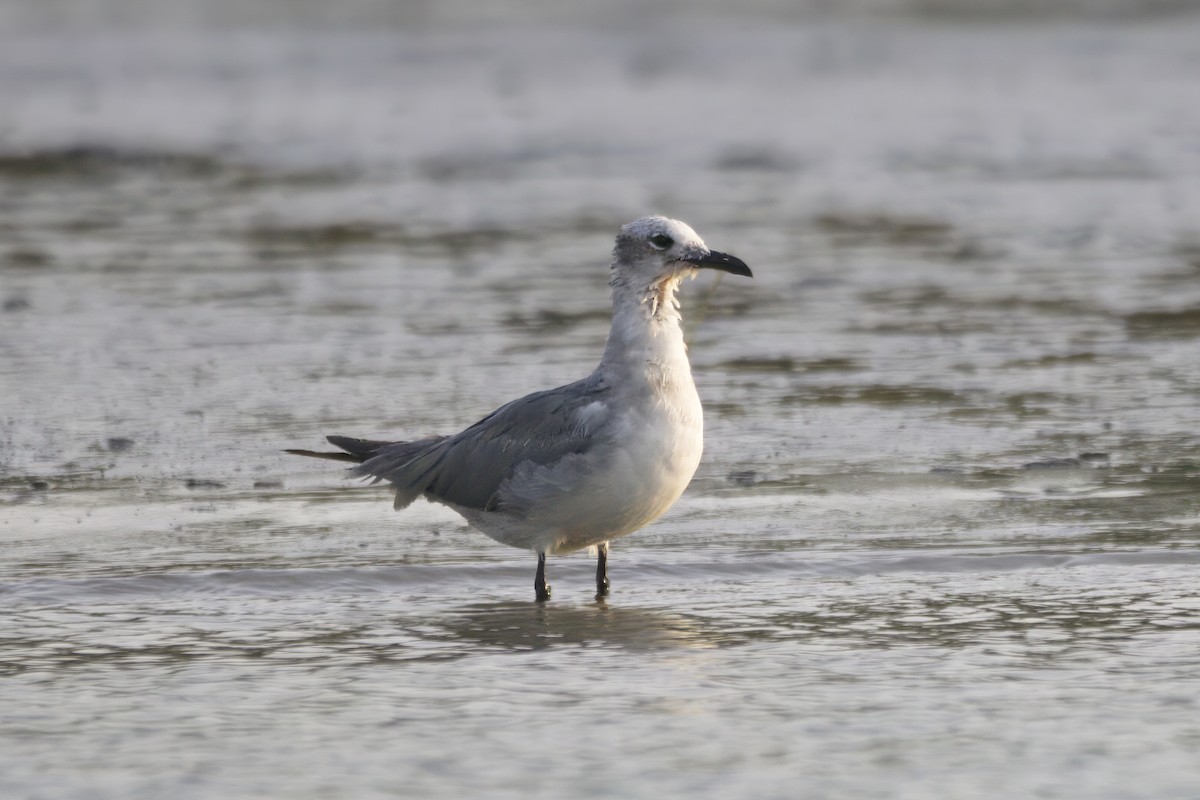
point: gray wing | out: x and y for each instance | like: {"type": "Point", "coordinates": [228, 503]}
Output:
{"type": "Point", "coordinates": [467, 469]}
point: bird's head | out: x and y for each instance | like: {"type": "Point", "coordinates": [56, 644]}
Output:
{"type": "Point", "coordinates": [653, 254]}
{"type": "Point", "coordinates": [652, 250]}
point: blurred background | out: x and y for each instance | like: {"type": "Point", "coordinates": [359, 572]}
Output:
{"type": "Point", "coordinates": [945, 537]}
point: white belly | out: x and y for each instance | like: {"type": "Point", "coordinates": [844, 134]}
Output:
{"type": "Point", "coordinates": [610, 491]}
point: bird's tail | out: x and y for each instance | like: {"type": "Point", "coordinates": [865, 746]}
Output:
{"type": "Point", "coordinates": [356, 450]}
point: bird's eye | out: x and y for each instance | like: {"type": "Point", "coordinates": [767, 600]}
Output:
{"type": "Point", "coordinates": [661, 241]}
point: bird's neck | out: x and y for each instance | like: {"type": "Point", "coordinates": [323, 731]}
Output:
{"type": "Point", "coordinates": [646, 341]}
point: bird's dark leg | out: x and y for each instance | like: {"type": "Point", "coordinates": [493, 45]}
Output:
{"type": "Point", "coordinates": [602, 571]}
{"type": "Point", "coordinates": [541, 589]}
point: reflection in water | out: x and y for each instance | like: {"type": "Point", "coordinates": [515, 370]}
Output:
{"type": "Point", "coordinates": [1052, 608]}
{"type": "Point", "coordinates": [526, 626]}
{"type": "Point", "coordinates": [949, 511]}
{"type": "Point", "coordinates": [156, 634]}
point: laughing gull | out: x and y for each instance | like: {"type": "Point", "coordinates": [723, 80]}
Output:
{"type": "Point", "coordinates": [589, 462]}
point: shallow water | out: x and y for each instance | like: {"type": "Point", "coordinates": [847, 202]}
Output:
{"type": "Point", "coordinates": [944, 541]}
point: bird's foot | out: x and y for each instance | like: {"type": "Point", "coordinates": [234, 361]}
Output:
{"type": "Point", "coordinates": [541, 589]}
{"type": "Point", "coordinates": [602, 571]}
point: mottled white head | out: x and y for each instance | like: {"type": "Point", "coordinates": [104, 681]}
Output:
{"type": "Point", "coordinates": [653, 254]}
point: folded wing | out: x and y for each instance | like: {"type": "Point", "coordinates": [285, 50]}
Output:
{"type": "Point", "coordinates": [468, 469]}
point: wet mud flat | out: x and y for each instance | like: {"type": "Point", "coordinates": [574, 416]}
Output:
{"type": "Point", "coordinates": [948, 518]}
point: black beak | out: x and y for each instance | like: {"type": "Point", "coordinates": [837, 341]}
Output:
{"type": "Point", "coordinates": [722, 261]}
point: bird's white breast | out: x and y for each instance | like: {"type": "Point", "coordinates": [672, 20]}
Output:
{"type": "Point", "coordinates": [648, 435]}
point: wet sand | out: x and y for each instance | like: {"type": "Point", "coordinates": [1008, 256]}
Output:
{"type": "Point", "coordinates": [944, 538]}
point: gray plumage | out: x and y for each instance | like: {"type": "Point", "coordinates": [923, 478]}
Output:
{"type": "Point", "coordinates": [469, 468]}
{"type": "Point", "coordinates": [590, 461]}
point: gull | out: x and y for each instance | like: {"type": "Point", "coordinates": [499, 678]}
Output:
{"type": "Point", "coordinates": [577, 466]}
